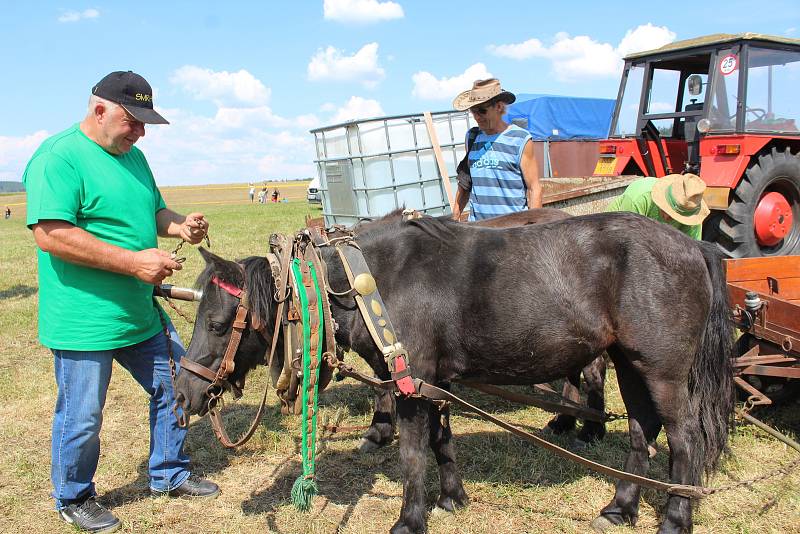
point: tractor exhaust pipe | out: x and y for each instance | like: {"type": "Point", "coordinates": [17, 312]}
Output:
{"type": "Point", "coordinates": [177, 293]}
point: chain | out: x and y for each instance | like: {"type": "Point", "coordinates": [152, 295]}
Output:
{"type": "Point", "coordinates": [180, 312]}
{"type": "Point", "coordinates": [614, 416]}
{"type": "Point", "coordinates": [174, 256]}
{"type": "Point", "coordinates": [183, 421]}
{"type": "Point", "coordinates": [784, 471]}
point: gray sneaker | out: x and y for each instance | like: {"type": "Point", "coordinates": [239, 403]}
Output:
{"type": "Point", "coordinates": [90, 516]}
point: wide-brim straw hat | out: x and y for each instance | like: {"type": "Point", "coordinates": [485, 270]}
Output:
{"type": "Point", "coordinates": [681, 197]}
{"type": "Point", "coordinates": [482, 91]}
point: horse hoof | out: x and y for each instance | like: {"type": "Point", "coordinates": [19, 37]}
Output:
{"type": "Point", "coordinates": [367, 445]}
{"type": "Point", "coordinates": [601, 523]}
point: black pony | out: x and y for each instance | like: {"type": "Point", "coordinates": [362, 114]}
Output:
{"type": "Point", "coordinates": [522, 306]}
{"type": "Point", "coordinates": [382, 428]}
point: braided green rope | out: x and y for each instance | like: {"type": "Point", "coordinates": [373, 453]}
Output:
{"type": "Point", "coordinates": [305, 487]}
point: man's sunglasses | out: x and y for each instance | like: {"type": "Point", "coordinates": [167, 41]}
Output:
{"type": "Point", "coordinates": [480, 110]}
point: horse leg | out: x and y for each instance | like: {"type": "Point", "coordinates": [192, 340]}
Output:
{"type": "Point", "coordinates": [679, 428]}
{"type": "Point", "coordinates": [412, 418]}
{"type": "Point", "coordinates": [452, 494]}
{"type": "Point", "coordinates": [381, 429]}
{"type": "Point", "coordinates": [564, 423]}
{"type": "Point", "coordinates": [643, 427]}
{"type": "Point", "coordinates": [594, 377]}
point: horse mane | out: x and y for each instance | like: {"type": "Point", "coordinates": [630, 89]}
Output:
{"type": "Point", "coordinates": [257, 279]}
{"type": "Point", "coordinates": [260, 286]}
{"type": "Point", "coordinates": [440, 228]}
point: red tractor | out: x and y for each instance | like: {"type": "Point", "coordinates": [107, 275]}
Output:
{"type": "Point", "coordinates": [723, 107]}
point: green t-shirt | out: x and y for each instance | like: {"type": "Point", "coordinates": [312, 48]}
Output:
{"type": "Point", "coordinates": [114, 198]}
{"type": "Point", "coordinates": [637, 199]}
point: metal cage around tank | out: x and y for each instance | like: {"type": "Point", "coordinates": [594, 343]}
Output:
{"type": "Point", "coordinates": [368, 168]}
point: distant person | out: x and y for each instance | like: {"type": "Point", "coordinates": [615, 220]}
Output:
{"type": "Point", "coordinates": [262, 196]}
{"type": "Point", "coordinates": [275, 195]}
{"type": "Point", "coordinates": [499, 174]}
{"type": "Point", "coordinates": [8, 212]}
{"type": "Point", "coordinates": [676, 199]}
{"type": "Point", "coordinates": [96, 215]}
{"type": "Point", "coordinates": [252, 192]}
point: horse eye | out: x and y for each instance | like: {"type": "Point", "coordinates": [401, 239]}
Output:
{"type": "Point", "coordinates": [217, 328]}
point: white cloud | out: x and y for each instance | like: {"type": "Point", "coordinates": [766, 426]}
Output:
{"type": "Point", "coordinates": [358, 108]}
{"type": "Point", "coordinates": [332, 64]}
{"type": "Point", "coordinates": [361, 11]}
{"type": "Point", "coordinates": [75, 16]}
{"type": "Point", "coordinates": [645, 37]}
{"type": "Point", "coordinates": [429, 87]}
{"type": "Point", "coordinates": [221, 87]}
{"type": "Point", "coordinates": [15, 153]}
{"type": "Point", "coordinates": [582, 57]}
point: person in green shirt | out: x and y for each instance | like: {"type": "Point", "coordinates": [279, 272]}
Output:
{"type": "Point", "coordinates": [675, 199]}
{"type": "Point", "coordinates": [96, 215]}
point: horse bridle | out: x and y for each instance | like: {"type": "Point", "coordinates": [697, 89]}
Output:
{"type": "Point", "coordinates": [219, 379]}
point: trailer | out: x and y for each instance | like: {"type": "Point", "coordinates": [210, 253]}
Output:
{"type": "Point", "coordinates": [764, 294]}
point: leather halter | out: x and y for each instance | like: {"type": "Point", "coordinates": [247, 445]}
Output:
{"type": "Point", "coordinates": [219, 380]}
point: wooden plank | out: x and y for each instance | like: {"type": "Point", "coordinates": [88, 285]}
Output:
{"type": "Point", "coordinates": [788, 288]}
{"type": "Point", "coordinates": [437, 152]}
{"type": "Point", "coordinates": [760, 268]}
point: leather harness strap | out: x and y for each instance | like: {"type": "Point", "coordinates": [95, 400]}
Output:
{"type": "Point", "coordinates": [375, 315]}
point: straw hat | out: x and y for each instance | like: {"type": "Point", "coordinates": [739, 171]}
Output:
{"type": "Point", "coordinates": [681, 197]}
{"type": "Point", "coordinates": [482, 91]}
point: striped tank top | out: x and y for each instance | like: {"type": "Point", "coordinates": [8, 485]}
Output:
{"type": "Point", "coordinates": [494, 164]}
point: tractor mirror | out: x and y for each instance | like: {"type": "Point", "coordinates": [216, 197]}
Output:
{"type": "Point", "coordinates": [695, 83]}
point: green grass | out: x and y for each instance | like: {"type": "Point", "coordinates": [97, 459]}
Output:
{"type": "Point", "coordinates": [514, 487]}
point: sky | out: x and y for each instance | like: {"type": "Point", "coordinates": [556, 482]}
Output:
{"type": "Point", "coordinates": [242, 83]}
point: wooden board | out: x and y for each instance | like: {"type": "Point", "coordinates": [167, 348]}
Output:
{"type": "Point", "coordinates": [778, 267]}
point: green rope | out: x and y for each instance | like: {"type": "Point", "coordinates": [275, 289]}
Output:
{"type": "Point", "coordinates": [305, 487]}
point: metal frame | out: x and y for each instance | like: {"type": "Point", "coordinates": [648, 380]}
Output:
{"type": "Point", "coordinates": [412, 120]}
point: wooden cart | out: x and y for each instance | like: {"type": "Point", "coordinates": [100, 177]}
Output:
{"type": "Point", "coordinates": [765, 297]}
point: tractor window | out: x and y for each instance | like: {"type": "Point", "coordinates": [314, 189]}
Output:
{"type": "Point", "coordinates": [628, 111]}
{"type": "Point", "coordinates": [724, 91]}
{"type": "Point", "coordinates": [773, 77]}
{"type": "Point", "coordinates": [663, 96]}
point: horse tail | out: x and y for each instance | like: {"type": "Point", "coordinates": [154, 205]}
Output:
{"type": "Point", "coordinates": [711, 385]}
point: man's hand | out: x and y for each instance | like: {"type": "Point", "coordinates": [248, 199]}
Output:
{"type": "Point", "coordinates": [153, 265]}
{"type": "Point", "coordinates": [194, 228]}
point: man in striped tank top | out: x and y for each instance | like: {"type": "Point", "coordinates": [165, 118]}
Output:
{"type": "Point", "coordinates": [502, 173]}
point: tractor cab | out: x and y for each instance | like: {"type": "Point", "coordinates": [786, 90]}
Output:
{"type": "Point", "coordinates": [723, 107]}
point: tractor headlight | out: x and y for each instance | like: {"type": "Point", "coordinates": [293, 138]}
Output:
{"type": "Point", "coordinates": [703, 125]}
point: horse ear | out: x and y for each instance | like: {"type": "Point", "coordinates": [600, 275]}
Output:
{"type": "Point", "coordinates": [227, 270]}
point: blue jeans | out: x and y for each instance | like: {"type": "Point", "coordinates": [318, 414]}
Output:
{"type": "Point", "coordinates": [82, 378]}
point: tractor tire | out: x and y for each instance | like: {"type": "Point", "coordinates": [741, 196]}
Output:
{"type": "Point", "coordinates": [736, 233]}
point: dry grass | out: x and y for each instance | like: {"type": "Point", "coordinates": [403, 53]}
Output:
{"type": "Point", "coordinates": [514, 487]}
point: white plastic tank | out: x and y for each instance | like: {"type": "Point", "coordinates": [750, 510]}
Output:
{"type": "Point", "coordinates": [370, 167]}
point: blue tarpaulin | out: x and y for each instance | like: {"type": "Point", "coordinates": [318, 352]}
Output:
{"type": "Point", "coordinates": [562, 117]}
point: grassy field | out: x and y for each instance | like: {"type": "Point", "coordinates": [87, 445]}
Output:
{"type": "Point", "coordinates": [514, 487]}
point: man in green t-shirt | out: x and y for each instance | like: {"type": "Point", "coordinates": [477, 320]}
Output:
{"type": "Point", "coordinates": [675, 199]}
{"type": "Point", "coordinates": [96, 213]}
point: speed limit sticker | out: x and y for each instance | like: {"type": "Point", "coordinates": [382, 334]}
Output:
{"type": "Point", "coordinates": [728, 64]}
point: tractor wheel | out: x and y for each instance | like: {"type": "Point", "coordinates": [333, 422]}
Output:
{"type": "Point", "coordinates": [763, 218]}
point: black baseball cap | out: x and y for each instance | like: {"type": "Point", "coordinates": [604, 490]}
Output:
{"type": "Point", "coordinates": [132, 92]}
